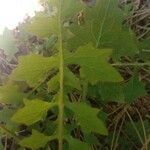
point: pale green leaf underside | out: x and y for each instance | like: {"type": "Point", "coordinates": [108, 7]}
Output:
{"type": "Point", "coordinates": [53, 84]}
{"type": "Point", "coordinates": [33, 111]}
{"type": "Point", "coordinates": [94, 64]}
{"type": "Point", "coordinates": [88, 118]}
{"type": "Point", "coordinates": [35, 141]}
{"type": "Point", "coordinates": [70, 80]}
{"type": "Point", "coordinates": [34, 68]}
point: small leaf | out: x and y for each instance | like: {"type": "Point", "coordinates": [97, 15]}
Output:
{"type": "Point", "coordinates": [134, 89]}
{"type": "Point", "coordinates": [88, 118]}
{"type": "Point", "coordinates": [71, 80]}
{"type": "Point", "coordinates": [53, 84]}
{"type": "Point", "coordinates": [35, 141]}
{"type": "Point", "coordinates": [94, 64]}
{"type": "Point", "coordinates": [33, 111]}
{"type": "Point", "coordinates": [33, 68]}
{"type": "Point", "coordinates": [75, 144]}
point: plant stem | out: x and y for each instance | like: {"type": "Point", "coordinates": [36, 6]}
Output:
{"type": "Point", "coordinates": [61, 69]}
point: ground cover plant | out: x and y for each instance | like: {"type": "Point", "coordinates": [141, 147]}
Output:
{"type": "Point", "coordinates": [76, 76]}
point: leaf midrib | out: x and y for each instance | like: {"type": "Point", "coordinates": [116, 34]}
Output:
{"type": "Point", "coordinates": [61, 69]}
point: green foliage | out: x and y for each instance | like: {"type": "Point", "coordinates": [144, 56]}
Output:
{"type": "Point", "coordinates": [75, 144]}
{"type": "Point", "coordinates": [88, 118]}
{"type": "Point", "coordinates": [33, 68]}
{"type": "Point", "coordinates": [91, 61]}
{"type": "Point", "coordinates": [32, 112]}
{"type": "Point", "coordinates": [11, 94]}
{"type": "Point", "coordinates": [8, 43]}
{"type": "Point", "coordinates": [108, 92]}
{"type": "Point", "coordinates": [35, 141]}
{"type": "Point", "coordinates": [70, 80]}
{"type": "Point", "coordinates": [5, 117]}
{"type": "Point", "coordinates": [103, 27]}
{"type": "Point", "coordinates": [42, 26]}
{"type": "Point", "coordinates": [134, 89]}
{"type": "Point", "coordinates": [82, 42]}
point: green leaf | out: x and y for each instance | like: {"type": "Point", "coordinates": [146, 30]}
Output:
{"type": "Point", "coordinates": [103, 27]}
{"type": "Point", "coordinates": [75, 144]}
{"type": "Point", "coordinates": [88, 118]}
{"type": "Point", "coordinates": [34, 68]}
{"type": "Point", "coordinates": [50, 42]}
{"type": "Point", "coordinates": [35, 141]}
{"type": "Point", "coordinates": [8, 43]}
{"type": "Point", "coordinates": [145, 49]}
{"type": "Point", "coordinates": [71, 80]}
{"type": "Point", "coordinates": [90, 139]}
{"type": "Point", "coordinates": [11, 94]}
{"type": "Point", "coordinates": [5, 117]}
{"type": "Point", "coordinates": [33, 111]}
{"type": "Point", "coordinates": [109, 92]}
{"type": "Point", "coordinates": [53, 84]}
{"type": "Point", "coordinates": [94, 64]}
{"type": "Point", "coordinates": [42, 26]}
{"type": "Point", "coordinates": [68, 11]}
{"type": "Point", "coordinates": [134, 89]}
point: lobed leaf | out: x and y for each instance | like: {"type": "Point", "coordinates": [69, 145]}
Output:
{"type": "Point", "coordinates": [53, 84]}
{"type": "Point", "coordinates": [134, 89]}
{"type": "Point", "coordinates": [94, 64]}
{"type": "Point", "coordinates": [34, 68]}
{"type": "Point", "coordinates": [103, 27]}
{"type": "Point", "coordinates": [35, 141]}
{"type": "Point", "coordinates": [70, 80]}
{"type": "Point", "coordinates": [33, 111]}
{"type": "Point", "coordinates": [88, 118]}
{"type": "Point", "coordinates": [108, 92]}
